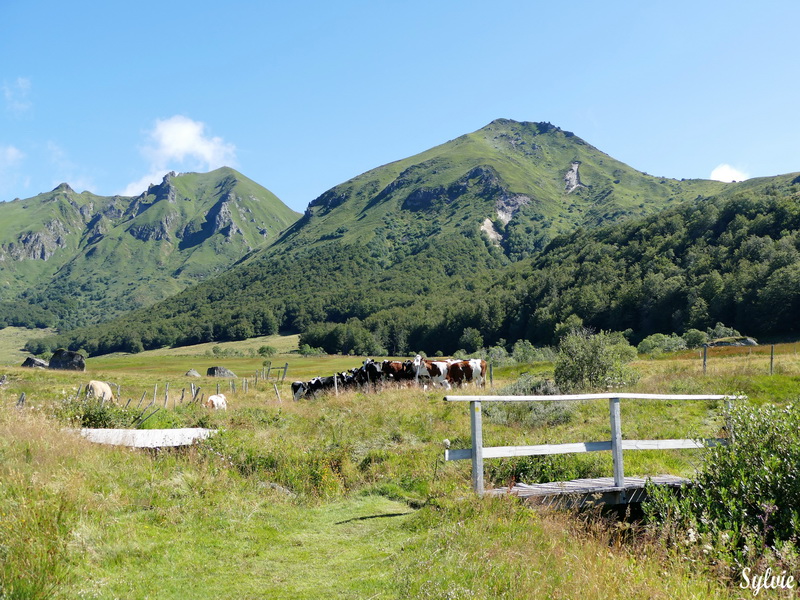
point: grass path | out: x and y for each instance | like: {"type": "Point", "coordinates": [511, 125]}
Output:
{"type": "Point", "coordinates": [339, 550]}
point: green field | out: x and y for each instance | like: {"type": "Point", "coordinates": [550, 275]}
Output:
{"type": "Point", "coordinates": [12, 340]}
{"type": "Point", "coordinates": [334, 497]}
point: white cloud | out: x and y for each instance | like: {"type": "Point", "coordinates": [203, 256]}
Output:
{"type": "Point", "coordinates": [179, 144]}
{"type": "Point", "coordinates": [16, 95]}
{"type": "Point", "coordinates": [728, 173]}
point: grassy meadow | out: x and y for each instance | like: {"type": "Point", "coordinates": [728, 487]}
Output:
{"type": "Point", "coordinates": [340, 496]}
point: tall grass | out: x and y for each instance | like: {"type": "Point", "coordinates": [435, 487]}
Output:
{"type": "Point", "coordinates": [294, 499]}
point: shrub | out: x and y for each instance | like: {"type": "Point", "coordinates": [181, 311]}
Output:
{"type": "Point", "coordinates": [658, 343]}
{"type": "Point", "coordinates": [744, 507]}
{"type": "Point", "coordinates": [695, 338]}
{"type": "Point", "coordinates": [586, 360]}
{"type": "Point", "coordinates": [307, 350]}
{"type": "Point", "coordinates": [267, 351]}
{"type": "Point", "coordinates": [94, 413]}
{"type": "Point", "coordinates": [721, 331]}
{"type": "Point", "coordinates": [529, 414]}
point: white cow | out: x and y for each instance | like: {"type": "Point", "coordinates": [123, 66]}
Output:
{"type": "Point", "coordinates": [217, 402]}
{"type": "Point", "coordinates": [99, 389]}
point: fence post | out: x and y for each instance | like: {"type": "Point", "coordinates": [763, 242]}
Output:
{"type": "Point", "coordinates": [491, 376]}
{"type": "Point", "coordinates": [285, 370]}
{"type": "Point", "coordinates": [476, 423]}
{"type": "Point", "coordinates": [616, 442]}
{"type": "Point", "coordinates": [705, 357]}
{"type": "Point", "coordinates": [771, 359]}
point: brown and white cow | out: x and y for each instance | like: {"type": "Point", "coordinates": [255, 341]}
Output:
{"type": "Point", "coordinates": [466, 371]}
{"type": "Point", "coordinates": [217, 402]}
{"type": "Point", "coordinates": [395, 370]}
{"type": "Point", "coordinates": [436, 370]}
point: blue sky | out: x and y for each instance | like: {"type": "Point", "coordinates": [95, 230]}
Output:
{"type": "Point", "coordinates": [302, 96]}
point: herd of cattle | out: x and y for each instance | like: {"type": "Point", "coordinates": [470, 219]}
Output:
{"type": "Point", "coordinates": [446, 373]}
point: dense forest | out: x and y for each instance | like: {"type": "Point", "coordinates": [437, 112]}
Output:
{"type": "Point", "coordinates": [733, 259]}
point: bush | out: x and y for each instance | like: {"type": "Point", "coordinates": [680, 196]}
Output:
{"type": "Point", "coordinates": [695, 338]}
{"type": "Point", "coordinates": [267, 351]}
{"type": "Point", "coordinates": [307, 350]}
{"type": "Point", "coordinates": [94, 413]}
{"type": "Point", "coordinates": [744, 507]}
{"type": "Point", "coordinates": [589, 361]}
{"type": "Point", "coordinates": [721, 331]}
{"type": "Point", "coordinates": [658, 343]}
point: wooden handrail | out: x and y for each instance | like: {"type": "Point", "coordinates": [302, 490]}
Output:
{"type": "Point", "coordinates": [616, 445]}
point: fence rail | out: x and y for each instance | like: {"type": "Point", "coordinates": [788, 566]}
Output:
{"type": "Point", "coordinates": [477, 453]}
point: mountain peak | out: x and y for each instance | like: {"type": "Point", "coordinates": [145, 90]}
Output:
{"type": "Point", "coordinates": [63, 187]}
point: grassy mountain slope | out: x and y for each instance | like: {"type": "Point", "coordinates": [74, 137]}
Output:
{"type": "Point", "coordinates": [515, 175]}
{"type": "Point", "coordinates": [88, 258]}
{"type": "Point", "coordinates": [402, 257]}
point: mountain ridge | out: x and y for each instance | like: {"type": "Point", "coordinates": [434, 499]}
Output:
{"type": "Point", "coordinates": [90, 257]}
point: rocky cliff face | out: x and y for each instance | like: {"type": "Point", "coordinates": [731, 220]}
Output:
{"type": "Point", "coordinates": [38, 245]}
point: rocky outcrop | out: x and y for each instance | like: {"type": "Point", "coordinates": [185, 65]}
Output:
{"type": "Point", "coordinates": [220, 372]}
{"type": "Point", "coordinates": [35, 363]}
{"type": "Point", "coordinates": [508, 205]}
{"type": "Point", "coordinates": [481, 181]}
{"type": "Point", "coordinates": [162, 230]}
{"type": "Point", "coordinates": [38, 245]}
{"type": "Point", "coordinates": [572, 179]}
{"type": "Point", "coordinates": [192, 373]}
{"type": "Point", "coordinates": [733, 341]}
{"type": "Point", "coordinates": [67, 360]}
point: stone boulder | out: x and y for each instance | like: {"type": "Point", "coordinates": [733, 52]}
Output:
{"type": "Point", "coordinates": [35, 363]}
{"type": "Point", "coordinates": [220, 372]}
{"type": "Point", "coordinates": [67, 360]}
{"type": "Point", "coordinates": [192, 373]}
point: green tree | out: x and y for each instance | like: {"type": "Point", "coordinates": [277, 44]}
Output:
{"type": "Point", "coordinates": [471, 340]}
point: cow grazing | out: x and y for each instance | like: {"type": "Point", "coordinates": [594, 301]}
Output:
{"type": "Point", "coordinates": [100, 390]}
{"type": "Point", "coordinates": [217, 402]}
{"type": "Point", "coordinates": [299, 389]}
{"type": "Point", "coordinates": [460, 372]}
{"type": "Point", "coordinates": [395, 370]}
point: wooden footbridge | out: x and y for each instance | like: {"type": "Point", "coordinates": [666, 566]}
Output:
{"type": "Point", "coordinates": [606, 490]}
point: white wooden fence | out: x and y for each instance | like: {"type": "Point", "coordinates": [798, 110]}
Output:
{"type": "Point", "coordinates": [616, 445]}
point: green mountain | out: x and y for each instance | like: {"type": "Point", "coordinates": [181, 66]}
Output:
{"type": "Point", "coordinates": [520, 184]}
{"type": "Point", "coordinates": [80, 258]}
{"type": "Point", "coordinates": [414, 253]}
